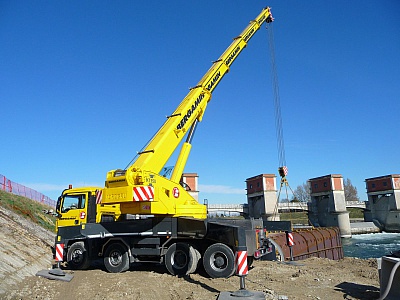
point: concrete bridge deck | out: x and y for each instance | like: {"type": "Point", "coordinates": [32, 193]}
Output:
{"type": "Point", "coordinates": [292, 206]}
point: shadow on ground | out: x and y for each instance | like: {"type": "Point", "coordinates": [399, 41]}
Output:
{"type": "Point", "coordinates": [358, 291]}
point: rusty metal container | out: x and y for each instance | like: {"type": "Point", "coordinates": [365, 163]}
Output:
{"type": "Point", "coordinates": [314, 242]}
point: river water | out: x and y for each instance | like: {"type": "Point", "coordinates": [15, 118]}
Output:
{"type": "Point", "coordinates": [371, 245]}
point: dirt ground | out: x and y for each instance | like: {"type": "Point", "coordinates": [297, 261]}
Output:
{"type": "Point", "coordinates": [314, 278]}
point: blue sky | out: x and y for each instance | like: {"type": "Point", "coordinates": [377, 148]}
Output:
{"type": "Point", "coordinates": [85, 84]}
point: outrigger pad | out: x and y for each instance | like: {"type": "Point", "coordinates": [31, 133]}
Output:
{"type": "Point", "coordinates": [55, 274]}
{"type": "Point", "coordinates": [231, 295]}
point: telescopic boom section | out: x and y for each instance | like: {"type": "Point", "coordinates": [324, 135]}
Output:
{"type": "Point", "coordinates": [164, 143]}
{"type": "Point", "coordinates": [166, 140]}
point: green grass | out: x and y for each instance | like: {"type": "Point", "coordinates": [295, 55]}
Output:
{"type": "Point", "coordinates": [302, 218]}
{"type": "Point", "coordinates": [295, 217]}
{"type": "Point", "coordinates": [355, 213]}
{"type": "Point", "coordinates": [30, 209]}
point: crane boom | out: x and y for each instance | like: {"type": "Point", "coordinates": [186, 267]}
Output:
{"type": "Point", "coordinates": [144, 172]}
{"type": "Point", "coordinates": [192, 107]}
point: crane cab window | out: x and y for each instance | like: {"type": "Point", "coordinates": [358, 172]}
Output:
{"type": "Point", "coordinates": [73, 202]}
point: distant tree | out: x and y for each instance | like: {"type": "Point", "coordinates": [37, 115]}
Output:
{"type": "Point", "coordinates": [350, 191]}
{"type": "Point", "coordinates": [301, 193]}
{"type": "Point", "coordinates": [284, 200]}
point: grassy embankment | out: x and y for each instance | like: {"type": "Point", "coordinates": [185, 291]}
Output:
{"type": "Point", "coordinates": [30, 209]}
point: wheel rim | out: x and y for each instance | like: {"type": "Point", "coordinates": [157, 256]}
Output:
{"type": "Point", "coordinates": [77, 256]}
{"type": "Point", "coordinates": [179, 260]}
{"type": "Point", "coordinates": [218, 261]}
{"type": "Point", "coordinates": [115, 258]}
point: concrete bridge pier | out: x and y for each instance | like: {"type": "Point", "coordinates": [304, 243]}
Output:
{"type": "Point", "coordinates": [328, 204]}
{"type": "Point", "coordinates": [384, 201]}
{"type": "Point", "coordinates": [261, 197]}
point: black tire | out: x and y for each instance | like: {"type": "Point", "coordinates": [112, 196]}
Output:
{"type": "Point", "coordinates": [77, 257]}
{"type": "Point", "coordinates": [219, 261]}
{"type": "Point", "coordinates": [181, 259]}
{"type": "Point", "coordinates": [196, 258]}
{"type": "Point", "coordinates": [116, 259]}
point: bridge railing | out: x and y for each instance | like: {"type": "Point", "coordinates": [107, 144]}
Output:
{"type": "Point", "coordinates": [281, 206]}
{"type": "Point", "coordinates": [225, 206]}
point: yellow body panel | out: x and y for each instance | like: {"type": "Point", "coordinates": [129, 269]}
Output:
{"type": "Point", "coordinates": [170, 198]}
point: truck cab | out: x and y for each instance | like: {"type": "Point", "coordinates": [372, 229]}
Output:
{"type": "Point", "coordinates": [78, 206]}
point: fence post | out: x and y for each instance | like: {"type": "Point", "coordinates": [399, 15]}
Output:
{"type": "Point", "coordinates": [9, 186]}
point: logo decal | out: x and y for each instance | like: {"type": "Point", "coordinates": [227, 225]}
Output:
{"type": "Point", "coordinates": [190, 111]}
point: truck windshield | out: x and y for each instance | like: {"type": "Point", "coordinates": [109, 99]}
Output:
{"type": "Point", "coordinates": [73, 202]}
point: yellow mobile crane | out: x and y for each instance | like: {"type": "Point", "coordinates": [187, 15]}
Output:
{"type": "Point", "coordinates": [92, 222]}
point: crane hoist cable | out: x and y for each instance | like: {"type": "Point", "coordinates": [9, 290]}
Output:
{"type": "Point", "coordinates": [277, 105]}
{"type": "Point", "coordinates": [283, 170]}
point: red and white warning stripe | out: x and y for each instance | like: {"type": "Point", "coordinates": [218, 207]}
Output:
{"type": "Point", "coordinates": [285, 170]}
{"type": "Point", "coordinates": [241, 263]}
{"type": "Point", "coordinates": [59, 252]}
{"type": "Point", "coordinates": [290, 239]}
{"type": "Point", "coordinates": [99, 196]}
{"type": "Point", "coordinates": [143, 193]}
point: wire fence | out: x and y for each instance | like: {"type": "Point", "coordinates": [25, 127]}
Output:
{"type": "Point", "coordinates": [21, 190]}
